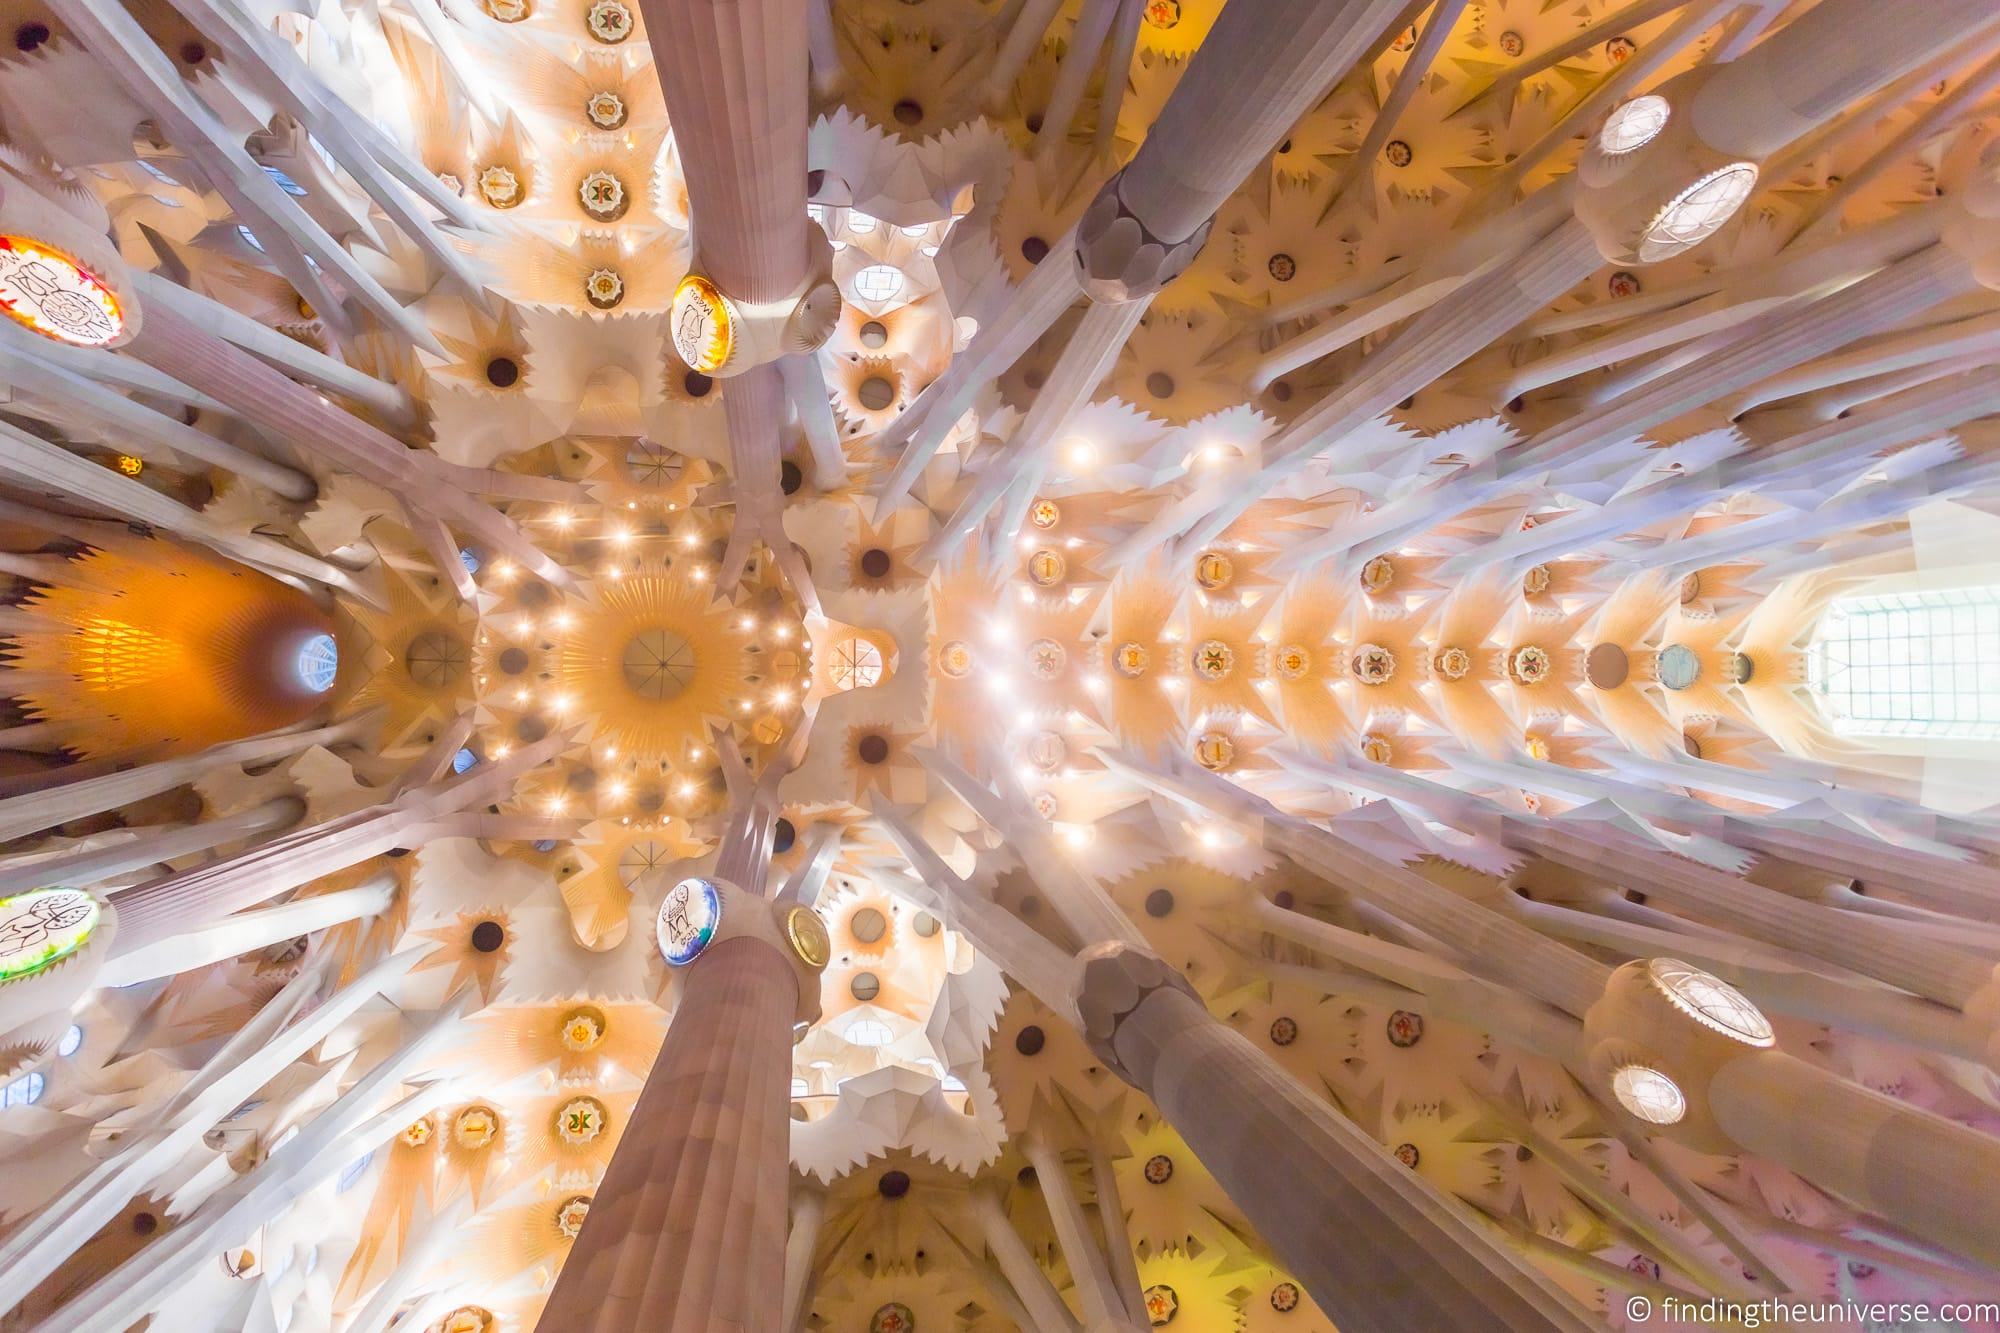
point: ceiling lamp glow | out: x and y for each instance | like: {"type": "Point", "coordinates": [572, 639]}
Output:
{"type": "Point", "coordinates": [42, 926]}
{"type": "Point", "coordinates": [53, 294]}
{"type": "Point", "coordinates": [1711, 1001]}
{"type": "Point", "coordinates": [1634, 125]}
{"type": "Point", "coordinates": [1649, 1095]}
{"type": "Point", "coordinates": [1698, 212]}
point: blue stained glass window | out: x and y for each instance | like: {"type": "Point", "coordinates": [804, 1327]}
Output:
{"type": "Point", "coordinates": [26, 1090]}
{"type": "Point", "coordinates": [250, 238]}
{"type": "Point", "coordinates": [463, 760]}
{"type": "Point", "coordinates": [469, 558]}
{"type": "Point", "coordinates": [286, 183]}
{"type": "Point", "coordinates": [318, 663]}
{"type": "Point", "coordinates": [72, 1041]}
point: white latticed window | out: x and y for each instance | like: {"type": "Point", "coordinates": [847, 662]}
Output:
{"type": "Point", "coordinates": [1911, 664]}
{"type": "Point", "coordinates": [1698, 212]}
{"type": "Point", "coordinates": [857, 664]}
{"type": "Point", "coordinates": [878, 282]}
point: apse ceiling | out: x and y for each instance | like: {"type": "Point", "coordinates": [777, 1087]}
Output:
{"type": "Point", "coordinates": [1398, 506]}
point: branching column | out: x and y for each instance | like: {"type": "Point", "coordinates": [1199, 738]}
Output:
{"type": "Point", "coordinates": [1377, 1246]}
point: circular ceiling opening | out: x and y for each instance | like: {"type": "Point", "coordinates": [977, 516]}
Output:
{"type": "Point", "coordinates": [659, 663]}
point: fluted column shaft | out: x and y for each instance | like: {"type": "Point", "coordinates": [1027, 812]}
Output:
{"type": "Point", "coordinates": [1928, 1174]}
{"type": "Point", "coordinates": [687, 1232]}
{"type": "Point", "coordinates": [86, 867]}
{"type": "Point", "coordinates": [734, 73]}
{"type": "Point", "coordinates": [1378, 1247]}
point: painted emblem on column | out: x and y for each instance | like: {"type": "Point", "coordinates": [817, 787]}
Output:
{"type": "Point", "coordinates": [54, 295]}
{"type": "Point", "coordinates": [688, 918]}
{"type": "Point", "coordinates": [703, 331]}
{"type": "Point", "coordinates": [41, 926]}
{"type": "Point", "coordinates": [808, 936]}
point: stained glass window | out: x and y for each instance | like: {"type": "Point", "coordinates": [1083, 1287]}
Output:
{"type": "Point", "coordinates": [319, 663]}
{"type": "Point", "coordinates": [1911, 664]}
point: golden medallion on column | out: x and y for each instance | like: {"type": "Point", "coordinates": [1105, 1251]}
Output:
{"type": "Point", "coordinates": [808, 936]}
{"type": "Point", "coordinates": [703, 326]}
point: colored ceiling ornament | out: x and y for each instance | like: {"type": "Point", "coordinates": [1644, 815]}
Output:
{"type": "Point", "coordinates": [508, 11]}
{"type": "Point", "coordinates": [1282, 267]}
{"type": "Point", "coordinates": [1530, 664]}
{"type": "Point", "coordinates": [1623, 283]}
{"type": "Point", "coordinates": [1537, 747]}
{"type": "Point", "coordinates": [1618, 50]}
{"type": "Point", "coordinates": [1405, 39]}
{"type": "Point", "coordinates": [44, 926]}
{"type": "Point", "coordinates": [1678, 666]}
{"type": "Point", "coordinates": [451, 183]}
{"type": "Point", "coordinates": [1159, 1169]}
{"type": "Point", "coordinates": [1377, 574]}
{"type": "Point", "coordinates": [1512, 44]}
{"type": "Point", "coordinates": [1129, 660]}
{"type": "Point", "coordinates": [895, 1317]}
{"type": "Point", "coordinates": [466, 1319]}
{"type": "Point", "coordinates": [1377, 749]}
{"type": "Point", "coordinates": [1045, 514]}
{"type": "Point", "coordinates": [579, 1121]}
{"type": "Point", "coordinates": [1407, 1154]}
{"type": "Point", "coordinates": [51, 292]}
{"type": "Point", "coordinates": [581, 1030]}
{"type": "Point", "coordinates": [1405, 1028]}
{"type": "Point", "coordinates": [1046, 567]}
{"type": "Point", "coordinates": [571, 1216]}
{"type": "Point", "coordinates": [1453, 663]}
{"type": "Point", "coordinates": [689, 916]}
{"type": "Point", "coordinates": [1162, 1304]}
{"type": "Point", "coordinates": [1293, 661]}
{"type": "Point", "coordinates": [1690, 587]}
{"type": "Point", "coordinates": [807, 933]}
{"type": "Point", "coordinates": [606, 110]}
{"type": "Point", "coordinates": [1163, 13]}
{"type": "Point", "coordinates": [955, 659]}
{"type": "Point", "coordinates": [1536, 581]}
{"type": "Point", "coordinates": [1044, 803]}
{"type": "Point", "coordinates": [1046, 659]}
{"type": "Point", "coordinates": [1214, 751]}
{"type": "Point", "coordinates": [703, 325]}
{"type": "Point", "coordinates": [1649, 1094]}
{"type": "Point", "coordinates": [604, 288]}
{"type": "Point", "coordinates": [609, 21]}
{"type": "Point", "coordinates": [499, 186]}
{"type": "Point", "coordinates": [1214, 660]}
{"type": "Point", "coordinates": [1399, 153]}
{"type": "Point", "coordinates": [1047, 751]}
{"type": "Point", "coordinates": [1213, 570]}
{"type": "Point", "coordinates": [131, 464]}
{"type": "Point", "coordinates": [417, 1133]}
{"type": "Point", "coordinates": [1285, 1297]}
{"type": "Point", "coordinates": [1284, 1031]}
{"type": "Point", "coordinates": [475, 1127]}
{"type": "Point", "coordinates": [1373, 664]}
{"type": "Point", "coordinates": [1710, 1001]}
{"type": "Point", "coordinates": [603, 196]}
{"type": "Point", "coordinates": [1739, 668]}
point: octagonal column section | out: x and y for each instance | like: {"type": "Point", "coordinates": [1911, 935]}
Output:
{"type": "Point", "coordinates": [1405, 1257]}
{"type": "Point", "coordinates": [687, 1232]}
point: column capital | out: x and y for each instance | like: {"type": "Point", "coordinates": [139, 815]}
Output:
{"type": "Point", "coordinates": [1116, 978]}
{"type": "Point", "coordinates": [1119, 258]}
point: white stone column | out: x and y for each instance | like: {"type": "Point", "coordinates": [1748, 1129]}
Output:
{"type": "Point", "coordinates": [34, 811]}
